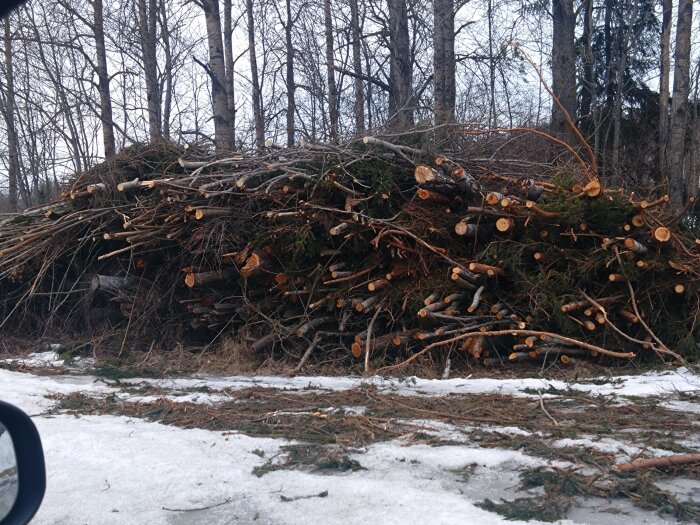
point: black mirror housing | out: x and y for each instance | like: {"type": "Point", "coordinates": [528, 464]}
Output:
{"type": "Point", "coordinates": [31, 470]}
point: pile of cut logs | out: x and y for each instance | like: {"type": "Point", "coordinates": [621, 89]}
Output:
{"type": "Point", "coordinates": [369, 251]}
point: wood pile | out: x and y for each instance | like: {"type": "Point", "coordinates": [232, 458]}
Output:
{"type": "Point", "coordinates": [370, 251]}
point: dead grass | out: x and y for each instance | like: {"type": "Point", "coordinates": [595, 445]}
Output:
{"type": "Point", "coordinates": [563, 486]}
{"type": "Point", "coordinates": [319, 417]}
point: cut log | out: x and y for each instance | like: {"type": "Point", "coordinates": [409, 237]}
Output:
{"type": "Point", "coordinates": [365, 305]}
{"type": "Point", "coordinates": [377, 285]}
{"type": "Point", "coordinates": [460, 281]}
{"type": "Point", "coordinates": [475, 300]}
{"type": "Point", "coordinates": [464, 274]}
{"type": "Point", "coordinates": [131, 185]}
{"type": "Point", "coordinates": [336, 266]}
{"type": "Point", "coordinates": [492, 198]}
{"type": "Point", "coordinates": [424, 174]}
{"type": "Point", "coordinates": [432, 196]}
{"type": "Point", "coordinates": [96, 188]}
{"type": "Point", "coordinates": [534, 192]}
{"type": "Point", "coordinates": [313, 324]}
{"type": "Point", "coordinates": [251, 265]}
{"type": "Point", "coordinates": [431, 308]}
{"type": "Point", "coordinates": [664, 461]}
{"type": "Point", "coordinates": [201, 213]}
{"type": "Point", "coordinates": [491, 271]}
{"type": "Point", "coordinates": [662, 234]}
{"type": "Point", "coordinates": [340, 228]}
{"type": "Point", "coordinates": [635, 247]}
{"type": "Point", "coordinates": [592, 189]}
{"type": "Point", "coordinates": [616, 278]}
{"type": "Point", "coordinates": [204, 278]}
{"type": "Point", "coordinates": [651, 204]}
{"type": "Point", "coordinates": [530, 205]}
{"type": "Point", "coordinates": [431, 298]}
{"type": "Point", "coordinates": [573, 306]}
{"type": "Point", "coordinates": [629, 316]}
{"type": "Point", "coordinates": [318, 304]}
{"type": "Point", "coordinates": [504, 224]}
{"type": "Point", "coordinates": [465, 229]}
{"type": "Point", "coordinates": [112, 284]}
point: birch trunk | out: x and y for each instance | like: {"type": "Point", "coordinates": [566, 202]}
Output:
{"type": "Point", "coordinates": [217, 73]}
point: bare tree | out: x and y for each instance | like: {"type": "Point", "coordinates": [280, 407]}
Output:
{"type": "Point", "coordinates": [665, 71]}
{"type": "Point", "coordinates": [103, 80]}
{"type": "Point", "coordinates": [9, 114]}
{"type": "Point", "coordinates": [330, 72]}
{"type": "Point", "coordinates": [356, 36]}
{"type": "Point", "coordinates": [678, 179]}
{"type": "Point", "coordinates": [288, 24]}
{"type": "Point", "coordinates": [168, 73]}
{"type": "Point", "coordinates": [229, 65]}
{"type": "Point", "coordinates": [444, 63]}
{"type": "Point", "coordinates": [588, 78]}
{"type": "Point", "coordinates": [563, 67]}
{"type": "Point", "coordinates": [400, 67]}
{"type": "Point", "coordinates": [259, 122]}
{"type": "Point", "coordinates": [216, 69]}
{"type": "Point", "coordinates": [148, 13]}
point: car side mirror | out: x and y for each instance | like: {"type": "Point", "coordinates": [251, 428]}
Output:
{"type": "Point", "coordinates": [22, 469]}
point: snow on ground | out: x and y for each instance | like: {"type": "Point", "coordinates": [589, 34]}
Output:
{"type": "Point", "coordinates": [647, 384]}
{"type": "Point", "coordinates": [116, 470]}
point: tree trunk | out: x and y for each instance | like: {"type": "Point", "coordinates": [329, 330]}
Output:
{"type": "Point", "coordinates": [257, 100]}
{"type": "Point", "coordinates": [563, 68]}
{"type": "Point", "coordinates": [694, 160]}
{"type": "Point", "coordinates": [608, 41]}
{"type": "Point", "coordinates": [230, 85]}
{"type": "Point", "coordinates": [291, 84]}
{"type": "Point", "coordinates": [332, 91]}
{"type": "Point", "coordinates": [12, 142]}
{"type": "Point", "coordinates": [444, 65]}
{"type": "Point", "coordinates": [147, 34]}
{"type": "Point", "coordinates": [103, 81]}
{"type": "Point", "coordinates": [588, 82]}
{"type": "Point", "coordinates": [492, 67]}
{"type": "Point", "coordinates": [664, 80]}
{"type": "Point", "coordinates": [217, 72]}
{"type": "Point", "coordinates": [400, 67]}
{"type": "Point", "coordinates": [679, 181]}
{"type": "Point", "coordinates": [359, 108]}
{"type": "Point", "coordinates": [168, 71]}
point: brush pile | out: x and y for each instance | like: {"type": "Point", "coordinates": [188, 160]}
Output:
{"type": "Point", "coordinates": [370, 251]}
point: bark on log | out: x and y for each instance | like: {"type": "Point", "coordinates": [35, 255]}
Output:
{"type": "Point", "coordinates": [111, 283]}
{"type": "Point", "coordinates": [665, 461]}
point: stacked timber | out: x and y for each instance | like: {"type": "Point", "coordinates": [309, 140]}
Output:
{"type": "Point", "coordinates": [371, 249]}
